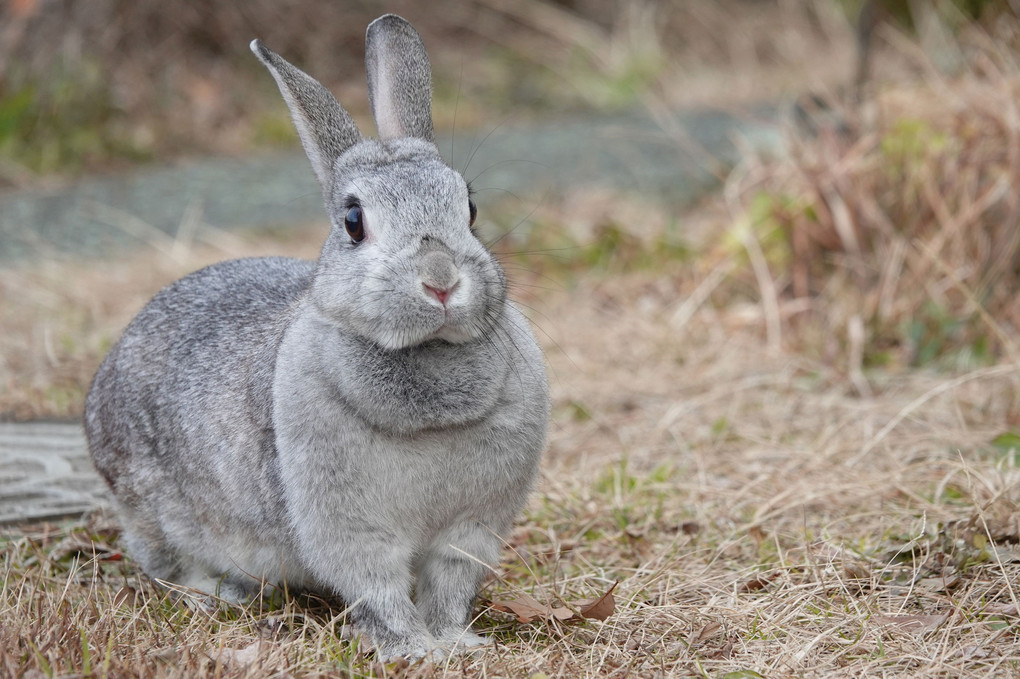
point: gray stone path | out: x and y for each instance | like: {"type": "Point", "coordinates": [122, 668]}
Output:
{"type": "Point", "coordinates": [45, 472]}
{"type": "Point", "coordinates": [628, 152]}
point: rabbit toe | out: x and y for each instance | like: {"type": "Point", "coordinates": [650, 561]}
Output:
{"type": "Point", "coordinates": [462, 640]}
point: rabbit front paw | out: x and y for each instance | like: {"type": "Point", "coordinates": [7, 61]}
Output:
{"type": "Point", "coordinates": [460, 640]}
{"type": "Point", "coordinates": [453, 642]}
{"type": "Point", "coordinates": [392, 637]}
{"type": "Point", "coordinates": [409, 650]}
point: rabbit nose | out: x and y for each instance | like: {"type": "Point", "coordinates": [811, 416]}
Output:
{"type": "Point", "coordinates": [439, 275]}
{"type": "Point", "coordinates": [439, 294]}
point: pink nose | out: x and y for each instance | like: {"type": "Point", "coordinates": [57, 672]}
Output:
{"type": "Point", "coordinates": [438, 293]}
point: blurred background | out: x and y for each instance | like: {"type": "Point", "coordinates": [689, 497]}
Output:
{"type": "Point", "coordinates": [840, 174]}
{"type": "Point", "coordinates": [93, 86]}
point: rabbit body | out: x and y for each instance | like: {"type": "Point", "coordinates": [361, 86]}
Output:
{"type": "Point", "coordinates": [368, 425]}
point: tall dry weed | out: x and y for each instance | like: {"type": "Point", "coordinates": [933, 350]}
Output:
{"type": "Point", "coordinates": [891, 234]}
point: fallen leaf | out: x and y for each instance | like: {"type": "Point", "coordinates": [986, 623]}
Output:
{"type": "Point", "coordinates": [126, 595]}
{"type": "Point", "coordinates": [528, 609]}
{"type": "Point", "coordinates": [562, 613]}
{"type": "Point", "coordinates": [1006, 553]}
{"type": "Point", "coordinates": [273, 626]}
{"type": "Point", "coordinates": [600, 608]}
{"type": "Point", "coordinates": [754, 584]}
{"type": "Point", "coordinates": [939, 584]}
{"type": "Point", "coordinates": [856, 571]}
{"type": "Point", "coordinates": [912, 623]}
{"type": "Point", "coordinates": [707, 632]}
{"type": "Point", "coordinates": [524, 607]}
{"type": "Point", "coordinates": [726, 651]}
{"type": "Point", "coordinates": [690, 527]}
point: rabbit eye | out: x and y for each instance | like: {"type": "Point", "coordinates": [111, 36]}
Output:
{"type": "Point", "coordinates": [473, 209]}
{"type": "Point", "coordinates": [354, 222]}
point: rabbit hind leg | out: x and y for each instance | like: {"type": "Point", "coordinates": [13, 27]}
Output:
{"type": "Point", "coordinates": [218, 588]}
{"type": "Point", "coordinates": [146, 543]}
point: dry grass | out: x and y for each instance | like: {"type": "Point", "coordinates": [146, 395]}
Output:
{"type": "Point", "coordinates": [758, 514]}
{"type": "Point", "coordinates": [769, 505]}
{"type": "Point", "coordinates": [889, 236]}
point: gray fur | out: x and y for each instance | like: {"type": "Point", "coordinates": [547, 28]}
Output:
{"type": "Point", "coordinates": [333, 426]}
{"type": "Point", "coordinates": [325, 128]}
{"type": "Point", "coordinates": [399, 79]}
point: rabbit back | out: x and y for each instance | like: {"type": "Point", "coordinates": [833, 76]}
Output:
{"type": "Point", "coordinates": [179, 417]}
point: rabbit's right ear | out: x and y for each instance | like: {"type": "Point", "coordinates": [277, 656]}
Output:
{"type": "Point", "coordinates": [325, 128]}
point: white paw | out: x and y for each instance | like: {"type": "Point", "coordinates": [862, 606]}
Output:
{"type": "Point", "coordinates": [411, 653]}
{"type": "Point", "coordinates": [462, 641]}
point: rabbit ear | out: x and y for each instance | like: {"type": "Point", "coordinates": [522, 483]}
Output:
{"type": "Point", "coordinates": [325, 128]}
{"type": "Point", "coordinates": [399, 79]}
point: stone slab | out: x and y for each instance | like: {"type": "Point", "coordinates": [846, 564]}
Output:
{"type": "Point", "coordinates": [45, 473]}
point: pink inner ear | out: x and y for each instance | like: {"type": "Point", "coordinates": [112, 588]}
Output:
{"type": "Point", "coordinates": [387, 121]}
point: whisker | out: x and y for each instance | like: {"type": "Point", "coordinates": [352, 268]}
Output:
{"type": "Point", "coordinates": [522, 221]}
{"type": "Point", "coordinates": [512, 160]}
{"type": "Point", "coordinates": [482, 143]}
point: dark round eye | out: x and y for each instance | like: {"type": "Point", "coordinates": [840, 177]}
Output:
{"type": "Point", "coordinates": [473, 209]}
{"type": "Point", "coordinates": [354, 222]}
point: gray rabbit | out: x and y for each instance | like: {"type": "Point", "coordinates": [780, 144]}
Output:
{"type": "Point", "coordinates": [366, 426]}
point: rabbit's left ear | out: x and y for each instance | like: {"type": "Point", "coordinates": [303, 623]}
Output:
{"type": "Point", "coordinates": [399, 79]}
{"type": "Point", "coordinates": [325, 128]}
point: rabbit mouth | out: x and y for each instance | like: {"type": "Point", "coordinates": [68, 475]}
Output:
{"type": "Point", "coordinates": [451, 325]}
{"type": "Point", "coordinates": [455, 333]}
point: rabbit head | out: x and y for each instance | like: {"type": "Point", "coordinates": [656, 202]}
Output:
{"type": "Point", "coordinates": [402, 265]}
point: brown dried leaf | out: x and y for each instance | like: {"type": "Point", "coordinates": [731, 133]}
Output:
{"type": "Point", "coordinates": [754, 584]}
{"type": "Point", "coordinates": [562, 613]}
{"type": "Point", "coordinates": [757, 534]}
{"type": "Point", "coordinates": [912, 623]}
{"type": "Point", "coordinates": [939, 584]}
{"type": "Point", "coordinates": [528, 609]}
{"type": "Point", "coordinates": [126, 595]}
{"type": "Point", "coordinates": [726, 651]}
{"type": "Point", "coordinates": [600, 608]}
{"type": "Point", "coordinates": [525, 607]}
{"type": "Point", "coordinates": [690, 527]}
{"type": "Point", "coordinates": [856, 571]}
{"type": "Point", "coordinates": [707, 632]}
